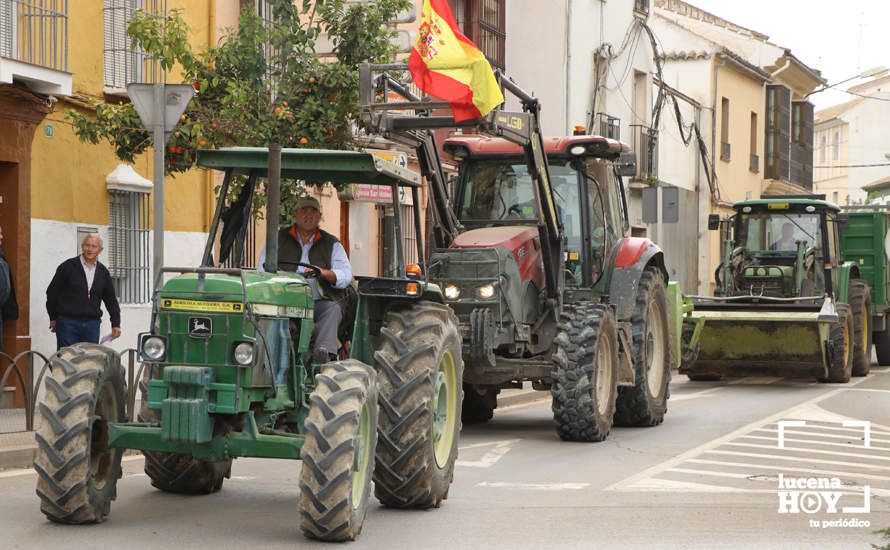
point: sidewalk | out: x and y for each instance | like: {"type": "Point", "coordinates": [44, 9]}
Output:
{"type": "Point", "coordinates": [17, 447]}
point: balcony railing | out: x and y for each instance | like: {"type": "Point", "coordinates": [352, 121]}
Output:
{"type": "Point", "coordinates": [35, 32]}
{"type": "Point", "coordinates": [645, 142]}
{"type": "Point", "coordinates": [641, 6]}
{"type": "Point", "coordinates": [607, 126]}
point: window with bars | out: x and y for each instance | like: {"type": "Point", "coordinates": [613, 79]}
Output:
{"type": "Point", "coordinates": [128, 253]}
{"type": "Point", "coordinates": [483, 22]}
{"type": "Point", "coordinates": [124, 63]}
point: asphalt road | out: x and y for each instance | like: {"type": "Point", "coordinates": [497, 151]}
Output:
{"type": "Point", "coordinates": [707, 478]}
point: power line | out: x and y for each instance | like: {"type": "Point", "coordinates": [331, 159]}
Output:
{"type": "Point", "coordinates": [854, 165]}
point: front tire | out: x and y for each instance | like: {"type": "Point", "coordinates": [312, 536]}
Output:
{"type": "Point", "coordinates": [77, 471]}
{"type": "Point", "coordinates": [338, 454]}
{"type": "Point", "coordinates": [585, 377]}
{"type": "Point", "coordinates": [420, 380]}
{"type": "Point", "coordinates": [840, 362]}
{"type": "Point", "coordinates": [178, 473]}
{"type": "Point", "coordinates": [479, 405]}
{"type": "Point", "coordinates": [645, 403]}
{"type": "Point", "coordinates": [860, 304]}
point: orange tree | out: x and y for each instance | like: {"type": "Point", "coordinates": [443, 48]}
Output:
{"type": "Point", "coordinates": [264, 82]}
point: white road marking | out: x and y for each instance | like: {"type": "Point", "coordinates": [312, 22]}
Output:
{"type": "Point", "coordinates": [714, 443]}
{"type": "Point", "coordinates": [750, 380]}
{"type": "Point", "coordinates": [786, 469]}
{"type": "Point", "coordinates": [818, 434]}
{"type": "Point", "coordinates": [490, 458]}
{"type": "Point", "coordinates": [799, 459]}
{"type": "Point", "coordinates": [534, 486]}
{"type": "Point", "coordinates": [817, 442]}
{"type": "Point", "coordinates": [814, 451]}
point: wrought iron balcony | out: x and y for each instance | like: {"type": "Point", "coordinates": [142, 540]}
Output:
{"type": "Point", "coordinates": [34, 44]}
{"type": "Point", "coordinates": [641, 7]}
{"type": "Point", "coordinates": [607, 126]}
{"type": "Point", "coordinates": [645, 144]}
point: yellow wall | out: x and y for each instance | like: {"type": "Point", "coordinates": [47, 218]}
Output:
{"type": "Point", "coordinates": [833, 179]}
{"type": "Point", "coordinates": [68, 177]}
{"type": "Point", "coordinates": [734, 177]}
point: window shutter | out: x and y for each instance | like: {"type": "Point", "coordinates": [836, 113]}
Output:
{"type": "Point", "coordinates": [7, 29]}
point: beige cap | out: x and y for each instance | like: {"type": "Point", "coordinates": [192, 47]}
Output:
{"type": "Point", "coordinates": [303, 202]}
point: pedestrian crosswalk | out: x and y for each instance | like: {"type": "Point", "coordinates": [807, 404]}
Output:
{"type": "Point", "coordinates": [751, 460]}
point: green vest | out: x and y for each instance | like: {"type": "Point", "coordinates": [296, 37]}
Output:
{"type": "Point", "coordinates": [290, 251]}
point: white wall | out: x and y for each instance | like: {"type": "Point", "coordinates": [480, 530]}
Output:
{"type": "Point", "coordinates": [52, 242]}
{"type": "Point", "coordinates": [869, 135]}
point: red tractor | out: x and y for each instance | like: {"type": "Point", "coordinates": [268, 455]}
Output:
{"type": "Point", "coordinates": [529, 247]}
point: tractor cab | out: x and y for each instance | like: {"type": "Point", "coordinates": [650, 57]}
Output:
{"type": "Point", "coordinates": [495, 190]}
{"type": "Point", "coordinates": [781, 247]}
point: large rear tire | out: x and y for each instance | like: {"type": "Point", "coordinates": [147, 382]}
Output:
{"type": "Point", "coordinates": [77, 471]}
{"type": "Point", "coordinates": [585, 377]}
{"type": "Point", "coordinates": [645, 403]}
{"type": "Point", "coordinates": [840, 361]}
{"type": "Point", "coordinates": [420, 375]}
{"type": "Point", "coordinates": [338, 454]}
{"type": "Point", "coordinates": [479, 405]}
{"type": "Point", "coordinates": [174, 472]}
{"type": "Point", "coordinates": [860, 304]}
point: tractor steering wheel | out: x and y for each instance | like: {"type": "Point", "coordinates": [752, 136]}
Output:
{"type": "Point", "coordinates": [312, 271]}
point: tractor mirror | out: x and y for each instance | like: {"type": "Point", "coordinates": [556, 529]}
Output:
{"type": "Point", "coordinates": [626, 165]}
{"type": "Point", "coordinates": [713, 222]}
{"type": "Point", "coordinates": [843, 220]}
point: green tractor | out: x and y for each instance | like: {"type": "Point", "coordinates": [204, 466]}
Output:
{"type": "Point", "coordinates": [786, 301]}
{"type": "Point", "coordinates": [229, 372]}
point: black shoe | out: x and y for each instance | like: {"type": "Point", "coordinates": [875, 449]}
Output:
{"type": "Point", "coordinates": [320, 356]}
{"type": "Point", "coordinates": [333, 357]}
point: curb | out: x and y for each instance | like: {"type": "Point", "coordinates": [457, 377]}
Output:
{"type": "Point", "coordinates": [17, 457]}
{"type": "Point", "coordinates": [521, 397]}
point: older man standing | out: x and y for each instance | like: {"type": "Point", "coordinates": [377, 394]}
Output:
{"type": "Point", "coordinates": [74, 295]}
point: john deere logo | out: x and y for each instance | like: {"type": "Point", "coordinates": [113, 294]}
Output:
{"type": "Point", "coordinates": [200, 327]}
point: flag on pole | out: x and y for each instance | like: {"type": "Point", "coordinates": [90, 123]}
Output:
{"type": "Point", "coordinates": [444, 63]}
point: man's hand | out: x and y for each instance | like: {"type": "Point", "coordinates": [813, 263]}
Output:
{"type": "Point", "coordinates": [115, 332]}
{"type": "Point", "coordinates": [329, 276]}
{"type": "Point", "coordinates": [52, 326]}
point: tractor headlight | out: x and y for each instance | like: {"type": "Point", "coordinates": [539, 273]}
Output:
{"type": "Point", "coordinates": [153, 348]}
{"type": "Point", "coordinates": [452, 292]}
{"type": "Point", "coordinates": [243, 354]}
{"type": "Point", "coordinates": [485, 292]}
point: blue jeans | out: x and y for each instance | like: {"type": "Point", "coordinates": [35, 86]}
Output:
{"type": "Point", "coordinates": [71, 331]}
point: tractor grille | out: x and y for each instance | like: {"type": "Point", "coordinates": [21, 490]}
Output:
{"type": "Point", "coordinates": [481, 264]}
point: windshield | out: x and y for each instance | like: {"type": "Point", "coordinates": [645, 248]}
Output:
{"type": "Point", "coordinates": [778, 232]}
{"type": "Point", "coordinates": [498, 190]}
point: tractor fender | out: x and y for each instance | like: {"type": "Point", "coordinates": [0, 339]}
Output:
{"type": "Point", "coordinates": [848, 272]}
{"type": "Point", "coordinates": [635, 254]}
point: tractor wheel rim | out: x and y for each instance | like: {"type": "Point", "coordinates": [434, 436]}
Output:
{"type": "Point", "coordinates": [604, 372]}
{"type": "Point", "coordinates": [846, 343]}
{"type": "Point", "coordinates": [104, 411]}
{"type": "Point", "coordinates": [445, 409]}
{"type": "Point", "coordinates": [654, 348]}
{"type": "Point", "coordinates": [361, 456]}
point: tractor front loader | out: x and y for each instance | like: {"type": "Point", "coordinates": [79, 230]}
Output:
{"type": "Point", "coordinates": [530, 246]}
{"type": "Point", "coordinates": [229, 372]}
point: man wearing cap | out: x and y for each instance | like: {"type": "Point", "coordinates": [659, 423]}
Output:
{"type": "Point", "coordinates": [304, 242]}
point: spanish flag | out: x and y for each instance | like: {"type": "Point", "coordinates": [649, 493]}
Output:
{"type": "Point", "coordinates": [444, 63]}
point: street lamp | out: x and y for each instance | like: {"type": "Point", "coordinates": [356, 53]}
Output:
{"type": "Point", "coordinates": [874, 72]}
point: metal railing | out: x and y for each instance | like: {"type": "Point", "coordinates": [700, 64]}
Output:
{"type": "Point", "coordinates": [645, 143]}
{"type": "Point", "coordinates": [641, 6]}
{"type": "Point", "coordinates": [28, 369]}
{"type": "Point", "coordinates": [35, 32]}
{"type": "Point", "coordinates": [607, 126]}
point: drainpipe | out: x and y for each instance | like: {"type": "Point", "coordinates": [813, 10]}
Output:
{"type": "Point", "coordinates": [568, 5]}
{"type": "Point", "coordinates": [714, 60]}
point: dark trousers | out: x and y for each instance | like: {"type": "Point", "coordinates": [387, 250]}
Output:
{"type": "Point", "coordinates": [71, 331]}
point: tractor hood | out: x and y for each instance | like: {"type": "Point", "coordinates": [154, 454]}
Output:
{"type": "Point", "coordinates": [510, 238]}
{"type": "Point", "coordinates": [220, 290]}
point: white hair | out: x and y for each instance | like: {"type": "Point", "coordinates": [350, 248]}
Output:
{"type": "Point", "coordinates": [92, 236]}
